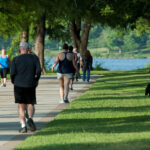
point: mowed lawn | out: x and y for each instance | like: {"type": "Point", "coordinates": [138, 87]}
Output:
{"type": "Point", "coordinates": [114, 114]}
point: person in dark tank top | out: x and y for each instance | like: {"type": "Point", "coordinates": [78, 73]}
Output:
{"type": "Point", "coordinates": [65, 62]}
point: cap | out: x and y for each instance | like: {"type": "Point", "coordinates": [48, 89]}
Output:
{"type": "Point", "coordinates": [24, 45]}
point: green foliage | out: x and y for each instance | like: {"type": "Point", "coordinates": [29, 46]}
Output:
{"type": "Point", "coordinates": [147, 67]}
{"type": "Point", "coordinates": [129, 43]}
{"type": "Point", "coordinates": [142, 26]}
{"type": "Point", "coordinates": [16, 16]}
{"type": "Point", "coordinates": [98, 67]}
{"type": "Point", "coordinates": [13, 49]}
{"type": "Point", "coordinates": [118, 43]}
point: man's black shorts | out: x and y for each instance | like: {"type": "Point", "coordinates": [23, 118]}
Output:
{"type": "Point", "coordinates": [25, 95]}
{"type": "Point", "coordinates": [3, 72]}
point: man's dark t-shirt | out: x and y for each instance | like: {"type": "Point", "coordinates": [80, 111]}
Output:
{"type": "Point", "coordinates": [25, 70]}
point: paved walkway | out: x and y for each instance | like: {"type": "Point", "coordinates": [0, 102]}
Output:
{"type": "Point", "coordinates": [47, 108]}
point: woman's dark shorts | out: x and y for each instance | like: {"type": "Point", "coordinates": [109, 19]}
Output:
{"type": "Point", "coordinates": [3, 72]}
{"type": "Point", "coordinates": [25, 95]}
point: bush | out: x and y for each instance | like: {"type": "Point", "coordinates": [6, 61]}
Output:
{"type": "Point", "coordinates": [98, 67]}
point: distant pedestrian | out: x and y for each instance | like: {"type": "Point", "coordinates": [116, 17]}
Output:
{"type": "Point", "coordinates": [4, 67]}
{"type": "Point", "coordinates": [86, 65]}
{"type": "Point", "coordinates": [25, 74]}
{"type": "Point", "coordinates": [70, 49]}
{"type": "Point", "coordinates": [65, 62]}
{"type": "Point", "coordinates": [75, 50]}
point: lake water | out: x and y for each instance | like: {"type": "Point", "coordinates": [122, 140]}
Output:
{"type": "Point", "coordinates": [115, 64]}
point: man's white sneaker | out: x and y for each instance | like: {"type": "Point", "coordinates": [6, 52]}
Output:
{"type": "Point", "coordinates": [61, 101]}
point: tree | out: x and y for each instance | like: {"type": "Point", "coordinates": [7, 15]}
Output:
{"type": "Point", "coordinates": [56, 18]}
{"type": "Point", "coordinates": [39, 40]}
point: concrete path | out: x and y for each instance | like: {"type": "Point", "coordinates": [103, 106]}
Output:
{"type": "Point", "coordinates": [46, 109]}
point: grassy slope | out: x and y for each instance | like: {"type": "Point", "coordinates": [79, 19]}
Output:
{"type": "Point", "coordinates": [113, 114]}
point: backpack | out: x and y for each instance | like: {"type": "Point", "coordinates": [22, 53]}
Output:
{"type": "Point", "coordinates": [87, 63]}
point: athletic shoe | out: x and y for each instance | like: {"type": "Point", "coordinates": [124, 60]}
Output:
{"type": "Point", "coordinates": [31, 124]}
{"type": "Point", "coordinates": [71, 88]}
{"type": "Point", "coordinates": [4, 85]}
{"type": "Point", "coordinates": [61, 101]}
{"type": "Point", "coordinates": [66, 100]}
{"type": "Point", "coordinates": [23, 130]}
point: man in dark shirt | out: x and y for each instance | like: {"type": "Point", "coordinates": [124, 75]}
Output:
{"type": "Point", "coordinates": [25, 74]}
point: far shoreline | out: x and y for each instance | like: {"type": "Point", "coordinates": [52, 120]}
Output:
{"type": "Point", "coordinates": [119, 58]}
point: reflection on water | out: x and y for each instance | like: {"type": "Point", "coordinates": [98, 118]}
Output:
{"type": "Point", "coordinates": [114, 64]}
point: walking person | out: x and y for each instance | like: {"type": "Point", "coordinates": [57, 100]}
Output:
{"type": "Point", "coordinates": [65, 62]}
{"type": "Point", "coordinates": [86, 65]}
{"type": "Point", "coordinates": [25, 74]}
{"type": "Point", "coordinates": [70, 49]}
{"type": "Point", "coordinates": [4, 67]}
{"type": "Point", "coordinates": [75, 50]}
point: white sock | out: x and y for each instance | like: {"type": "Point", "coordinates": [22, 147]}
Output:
{"type": "Point", "coordinates": [23, 125]}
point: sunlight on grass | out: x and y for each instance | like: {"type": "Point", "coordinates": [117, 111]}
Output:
{"type": "Point", "coordinates": [114, 114]}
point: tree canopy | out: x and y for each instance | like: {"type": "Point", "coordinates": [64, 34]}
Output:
{"type": "Point", "coordinates": [71, 20]}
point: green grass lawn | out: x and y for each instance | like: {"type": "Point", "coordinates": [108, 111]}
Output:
{"type": "Point", "coordinates": [114, 114]}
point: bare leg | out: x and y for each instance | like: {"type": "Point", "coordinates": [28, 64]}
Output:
{"type": "Point", "coordinates": [4, 83]}
{"type": "Point", "coordinates": [31, 110]}
{"type": "Point", "coordinates": [2, 80]}
{"type": "Point", "coordinates": [21, 113]}
{"type": "Point", "coordinates": [66, 87]}
{"type": "Point", "coordinates": [61, 83]}
{"type": "Point", "coordinates": [71, 84]}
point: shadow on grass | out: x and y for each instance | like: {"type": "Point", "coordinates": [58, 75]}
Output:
{"type": "Point", "coordinates": [142, 144]}
{"type": "Point", "coordinates": [98, 125]}
{"type": "Point", "coordinates": [111, 109]}
{"type": "Point", "coordinates": [115, 97]}
{"type": "Point", "coordinates": [114, 86]}
{"type": "Point", "coordinates": [123, 76]}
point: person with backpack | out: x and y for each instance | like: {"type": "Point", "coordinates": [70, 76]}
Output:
{"type": "Point", "coordinates": [70, 50]}
{"type": "Point", "coordinates": [86, 65]}
{"type": "Point", "coordinates": [75, 50]}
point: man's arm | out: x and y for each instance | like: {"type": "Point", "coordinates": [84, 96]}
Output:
{"type": "Point", "coordinates": [38, 68]}
{"type": "Point", "coordinates": [13, 71]}
{"type": "Point", "coordinates": [55, 63]}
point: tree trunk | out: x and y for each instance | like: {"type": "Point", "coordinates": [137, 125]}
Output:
{"type": "Point", "coordinates": [39, 41]}
{"type": "Point", "coordinates": [84, 37]}
{"type": "Point", "coordinates": [75, 28]}
{"type": "Point", "coordinates": [25, 36]}
{"type": "Point", "coordinates": [80, 41]}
